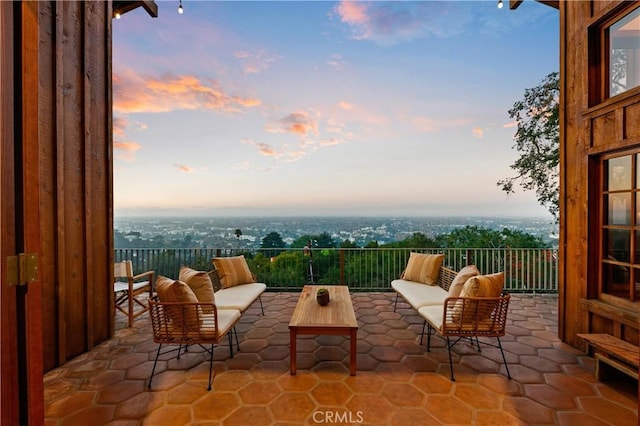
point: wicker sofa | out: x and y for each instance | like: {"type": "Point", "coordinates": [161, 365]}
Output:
{"type": "Point", "coordinates": [199, 309]}
{"type": "Point", "coordinates": [418, 294]}
{"type": "Point", "coordinates": [458, 306]}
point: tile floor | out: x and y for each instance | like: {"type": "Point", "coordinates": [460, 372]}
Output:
{"type": "Point", "coordinates": [397, 383]}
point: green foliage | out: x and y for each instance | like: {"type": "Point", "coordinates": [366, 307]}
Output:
{"type": "Point", "coordinates": [322, 240]}
{"type": "Point", "coordinates": [348, 244]}
{"type": "Point", "coordinates": [272, 240]}
{"type": "Point", "coordinates": [537, 141]}
{"type": "Point", "coordinates": [480, 237]}
{"type": "Point", "coordinates": [417, 240]}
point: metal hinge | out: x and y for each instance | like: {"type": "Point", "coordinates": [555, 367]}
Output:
{"type": "Point", "coordinates": [22, 269]}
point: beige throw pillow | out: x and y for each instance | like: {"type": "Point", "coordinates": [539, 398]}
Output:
{"type": "Point", "coordinates": [479, 286]}
{"type": "Point", "coordinates": [461, 278]}
{"type": "Point", "coordinates": [484, 286]}
{"type": "Point", "coordinates": [423, 268]}
{"type": "Point", "coordinates": [233, 271]}
{"type": "Point", "coordinates": [178, 292]}
{"type": "Point", "coordinates": [200, 283]}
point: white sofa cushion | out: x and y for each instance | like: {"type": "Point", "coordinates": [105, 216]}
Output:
{"type": "Point", "coordinates": [418, 294]}
{"type": "Point", "coordinates": [239, 297]}
{"type": "Point", "coordinates": [226, 319]}
{"type": "Point", "coordinates": [433, 314]}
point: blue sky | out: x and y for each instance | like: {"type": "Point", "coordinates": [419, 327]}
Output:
{"type": "Point", "coordinates": [324, 108]}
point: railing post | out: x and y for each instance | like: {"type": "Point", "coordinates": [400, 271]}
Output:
{"type": "Point", "coordinates": [341, 266]}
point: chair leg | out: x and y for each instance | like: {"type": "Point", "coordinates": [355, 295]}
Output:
{"type": "Point", "coordinates": [130, 303]}
{"type": "Point", "coordinates": [235, 331]}
{"type": "Point", "coordinates": [396, 303]}
{"type": "Point", "coordinates": [504, 358]}
{"type": "Point", "coordinates": [453, 379]}
{"type": "Point", "coordinates": [428, 337]}
{"type": "Point", "coordinates": [210, 367]}
{"type": "Point", "coordinates": [154, 366]}
{"type": "Point", "coordinates": [230, 334]}
{"type": "Point", "coordinates": [261, 307]}
{"type": "Point", "coordinates": [422, 332]}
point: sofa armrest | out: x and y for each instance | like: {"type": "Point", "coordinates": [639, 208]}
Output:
{"type": "Point", "coordinates": [446, 277]}
{"type": "Point", "coordinates": [215, 279]}
{"type": "Point", "coordinates": [475, 316]}
{"type": "Point", "coordinates": [190, 323]}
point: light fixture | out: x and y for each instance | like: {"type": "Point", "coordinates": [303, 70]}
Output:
{"type": "Point", "coordinates": [117, 15]}
{"type": "Point", "coordinates": [500, 4]}
{"type": "Point", "coordinates": [180, 9]}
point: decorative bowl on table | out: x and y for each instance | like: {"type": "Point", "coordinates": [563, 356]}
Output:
{"type": "Point", "coordinates": [322, 296]}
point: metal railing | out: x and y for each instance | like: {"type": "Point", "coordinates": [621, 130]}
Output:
{"type": "Point", "coordinates": [362, 269]}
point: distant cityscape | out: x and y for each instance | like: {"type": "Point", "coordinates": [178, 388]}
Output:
{"type": "Point", "coordinates": [221, 232]}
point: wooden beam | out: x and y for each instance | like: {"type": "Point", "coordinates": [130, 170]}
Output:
{"type": "Point", "coordinates": [514, 4]}
{"type": "Point", "coordinates": [152, 8]}
{"type": "Point", "coordinates": [553, 3]}
{"type": "Point", "coordinates": [122, 7]}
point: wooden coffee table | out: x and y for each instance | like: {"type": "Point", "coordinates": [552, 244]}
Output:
{"type": "Point", "coordinates": [336, 318]}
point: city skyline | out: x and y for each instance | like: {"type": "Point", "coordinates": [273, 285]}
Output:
{"type": "Point", "coordinates": [324, 108]}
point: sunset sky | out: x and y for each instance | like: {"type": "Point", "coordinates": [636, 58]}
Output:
{"type": "Point", "coordinates": [324, 108]}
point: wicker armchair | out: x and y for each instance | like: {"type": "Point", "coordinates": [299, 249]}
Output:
{"type": "Point", "coordinates": [467, 317]}
{"type": "Point", "coordinates": [184, 324]}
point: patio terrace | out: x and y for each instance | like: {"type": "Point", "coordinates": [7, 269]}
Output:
{"type": "Point", "coordinates": [397, 382]}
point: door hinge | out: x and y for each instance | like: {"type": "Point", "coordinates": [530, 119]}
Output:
{"type": "Point", "coordinates": [22, 269]}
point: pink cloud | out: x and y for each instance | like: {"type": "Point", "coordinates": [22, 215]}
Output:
{"type": "Point", "coordinates": [255, 62]}
{"type": "Point", "coordinates": [510, 125]}
{"type": "Point", "coordinates": [125, 150]}
{"type": "Point", "coordinates": [299, 123]}
{"type": "Point", "coordinates": [387, 23]}
{"type": "Point", "coordinates": [135, 93]}
{"type": "Point", "coordinates": [184, 169]}
{"type": "Point", "coordinates": [353, 12]}
{"type": "Point", "coordinates": [263, 148]}
{"type": "Point", "coordinates": [478, 132]}
{"type": "Point", "coordinates": [120, 125]}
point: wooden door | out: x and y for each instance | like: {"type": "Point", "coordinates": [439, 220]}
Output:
{"type": "Point", "coordinates": [21, 372]}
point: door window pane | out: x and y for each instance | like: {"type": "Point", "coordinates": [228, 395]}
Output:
{"type": "Point", "coordinates": [619, 209]}
{"type": "Point", "coordinates": [618, 244]}
{"type": "Point", "coordinates": [616, 280]}
{"type": "Point", "coordinates": [619, 173]}
{"type": "Point", "coordinates": [624, 54]}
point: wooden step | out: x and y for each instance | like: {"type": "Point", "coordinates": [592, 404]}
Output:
{"type": "Point", "coordinates": [613, 352]}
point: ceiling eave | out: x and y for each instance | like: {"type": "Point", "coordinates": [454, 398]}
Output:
{"type": "Point", "coordinates": [513, 4]}
{"type": "Point", "coordinates": [122, 7]}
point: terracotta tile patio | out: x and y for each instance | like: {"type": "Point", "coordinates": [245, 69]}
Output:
{"type": "Point", "coordinates": [397, 383]}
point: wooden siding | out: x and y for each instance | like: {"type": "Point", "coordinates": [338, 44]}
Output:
{"type": "Point", "coordinates": [589, 127]}
{"type": "Point", "coordinates": [76, 177]}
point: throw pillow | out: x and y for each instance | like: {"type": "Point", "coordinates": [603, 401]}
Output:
{"type": "Point", "coordinates": [178, 292]}
{"type": "Point", "coordinates": [233, 271]}
{"type": "Point", "coordinates": [461, 278]}
{"type": "Point", "coordinates": [466, 311]}
{"type": "Point", "coordinates": [201, 285]}
{"type": "Point", "coordinates": [484, 286]}
{"type": "Point", "coordinates": [423, 268]}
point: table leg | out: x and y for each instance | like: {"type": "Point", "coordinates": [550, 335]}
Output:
{"type": "Point", "coordinates": [354, 352]}
{"type": "Point", "coordinates": [292, 352]}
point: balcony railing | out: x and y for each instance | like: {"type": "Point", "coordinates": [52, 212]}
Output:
{"type": "Point", "coordinates": [362, 269]}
